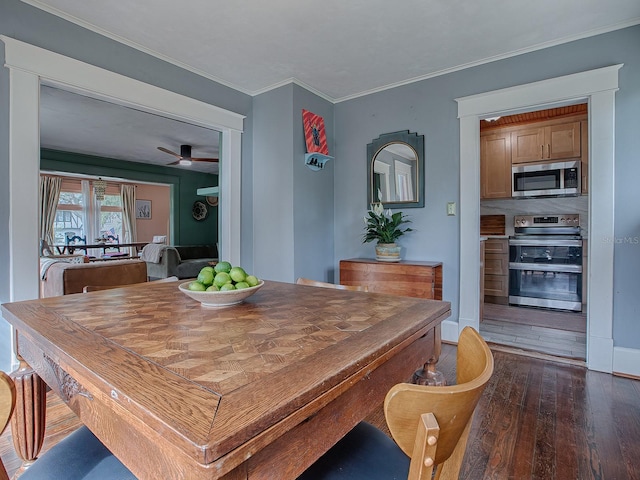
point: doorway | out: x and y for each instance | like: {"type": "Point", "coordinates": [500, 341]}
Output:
{"type": "Point", "coordinates": [535, 276]}
{"type": "Point", "coordinates": [32, 66]}
{"type": "Point", "coordinates": [598, 88]}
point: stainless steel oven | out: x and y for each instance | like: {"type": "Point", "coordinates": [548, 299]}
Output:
{"type": "Point", "coordinates": [545, 262]}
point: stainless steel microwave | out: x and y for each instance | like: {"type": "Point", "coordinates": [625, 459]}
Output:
{"type": "Point", "coordinates": [546, 179]}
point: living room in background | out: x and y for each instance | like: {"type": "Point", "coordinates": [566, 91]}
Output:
{"type": "Point", "coordinates": [82, 213]}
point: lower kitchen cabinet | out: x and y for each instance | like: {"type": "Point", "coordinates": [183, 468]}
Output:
{"type": "Point", "coordinates": [496, 270]}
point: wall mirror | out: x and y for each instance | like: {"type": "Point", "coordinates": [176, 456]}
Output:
{"type": "Point", "coordinates": [395, 169]}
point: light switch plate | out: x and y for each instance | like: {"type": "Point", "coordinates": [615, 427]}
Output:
{"type": "Point", "coordinates": [451, 208]}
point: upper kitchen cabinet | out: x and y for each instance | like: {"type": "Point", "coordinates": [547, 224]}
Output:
{"type": "Point", "coordinates": [550, 142]}
{"type": "Point", "coordinates": [495, 165]}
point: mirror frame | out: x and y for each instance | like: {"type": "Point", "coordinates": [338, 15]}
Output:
{"type": "Point", "coordinates": [416, 143]}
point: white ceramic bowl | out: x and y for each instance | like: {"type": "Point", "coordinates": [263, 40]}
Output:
{"type": "Point", "coordinates": [219, 299]}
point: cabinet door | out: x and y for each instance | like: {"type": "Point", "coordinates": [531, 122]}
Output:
{"type": "Point", "coordinates": [495, 264]}
{"type": "Point", "coordinates": [527, 145]}
{"type": "Point", "coordinates": [495, 166]}
{"type": "Point", "coordinates": [562, 141]}
{"type": "Point", "coordinates": [498, 246]}
{"type": "Point", "coordinates": [496, 286]}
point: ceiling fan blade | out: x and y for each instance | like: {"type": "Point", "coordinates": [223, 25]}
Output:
{"type": "Point", "coordinates": [165, 150]}
{"type": "Point", "coordinates": [203, 159]}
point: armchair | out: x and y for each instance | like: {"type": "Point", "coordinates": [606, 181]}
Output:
{"type": "Point", "coordinates": [179, 261]}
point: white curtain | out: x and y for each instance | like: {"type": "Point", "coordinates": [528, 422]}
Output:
{"type": "Point", "coordinates": [49, 197]}
{"type": "Point", "coordinates": [90, 217]}
{"type": "Point", "coordinates": [128, 197]}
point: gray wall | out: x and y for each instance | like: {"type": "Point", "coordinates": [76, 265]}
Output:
{"type": "Point", "coordinates": [313, 195]}
{"type": "Point", "coordinates": [273, 240]}
{"type": "Point", "coordinates": [292, 205]}
{"type": "Point", "coordinates": [428, 107]}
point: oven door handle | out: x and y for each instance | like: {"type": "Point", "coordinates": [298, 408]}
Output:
{"type": "Point", "coordinates": [541, 267]}
{"type": "Point", "coordinates": [544, 243]}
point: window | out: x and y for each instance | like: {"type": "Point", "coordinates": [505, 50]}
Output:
{"type": "Point", "coordinates": [79, 213]}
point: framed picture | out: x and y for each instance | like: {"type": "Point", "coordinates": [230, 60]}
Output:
{"type": "Point", "coordinates": [314, 133]}
{"type": "Point", "coordinates": [143, 209]}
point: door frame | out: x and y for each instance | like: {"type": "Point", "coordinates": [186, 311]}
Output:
{"type": "Point", "coordinates": [29, 67]}
{"type": "Point", "coordinates": [598, 88]}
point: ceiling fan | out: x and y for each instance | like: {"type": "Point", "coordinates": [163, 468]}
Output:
{"type": "Point", "coordinates": [184, 157]}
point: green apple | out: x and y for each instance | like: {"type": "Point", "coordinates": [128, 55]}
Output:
{"type": "Point", "coordinates": [237, 274]}
{"type": "Point", "coordinates": [221, 279]}
{"type": "Point", "coordinates": [197, 287]}
{"type": "Point", "coordinates": [222, 267]}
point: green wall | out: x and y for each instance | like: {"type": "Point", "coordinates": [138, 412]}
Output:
{"type": "Point", "coordinates": [184, 183]}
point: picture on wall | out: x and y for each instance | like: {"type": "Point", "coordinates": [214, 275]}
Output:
{"type": "Point", "coordinates": [143, 209]}
{"type": "Point", "coordinates": [314, 133]}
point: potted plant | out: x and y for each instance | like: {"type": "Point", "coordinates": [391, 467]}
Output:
{"type": "Point", "coordinates": [385, 228]}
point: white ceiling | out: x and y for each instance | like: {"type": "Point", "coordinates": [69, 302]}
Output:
{"type": "Point", "coordinates": [79, 124]}
{"type": "Point", "coordinates": [339, 49]}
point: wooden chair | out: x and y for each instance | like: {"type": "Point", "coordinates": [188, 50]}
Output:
{"type": "Point", "coordinates": [316, 283]}
{"type": "Point", "coordinates": [115, 240]}
{"type": "Point", "coordinates": [97, 288]}
{"type": "Point", "coordinates": [430, 426]}
{"type": "Point", "coordinates": [72, 243]}
{"type": "Point", "coordinates": [79, 456]}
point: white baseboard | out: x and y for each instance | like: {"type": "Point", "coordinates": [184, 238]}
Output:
{"type": "Point", "coordinates": [450, 331]}
{"type": "Point", "coordinates": [626, 361]}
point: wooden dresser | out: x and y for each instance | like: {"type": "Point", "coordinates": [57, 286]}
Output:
{"type": "Point", "coordinates": [407, 278]}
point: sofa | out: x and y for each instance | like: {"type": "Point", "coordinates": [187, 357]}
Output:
{"type": "Point", "coordinates": [182, 261]}
{"type": "Point", "coordinates": [64, 278]}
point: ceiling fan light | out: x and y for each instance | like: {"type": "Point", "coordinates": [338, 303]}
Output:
{"type": "Point", "coordinates": [184, 162]}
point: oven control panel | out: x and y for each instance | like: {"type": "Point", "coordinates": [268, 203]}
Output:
{"type": "Point", "coordinates": [566, 220]}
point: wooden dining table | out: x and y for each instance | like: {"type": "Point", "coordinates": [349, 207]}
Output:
{"type": "Point", "coordinates": [257, 390]}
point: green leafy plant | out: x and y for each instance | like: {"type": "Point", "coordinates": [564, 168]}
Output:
{"type": "Point", "coordinates": [384, 227]}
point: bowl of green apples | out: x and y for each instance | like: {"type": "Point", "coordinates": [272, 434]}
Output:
{"type": "Point", "coordinates": [221, 285]}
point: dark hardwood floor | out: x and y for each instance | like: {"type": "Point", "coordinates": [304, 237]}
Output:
{"type": "Point", "coordinates": [537, 419]}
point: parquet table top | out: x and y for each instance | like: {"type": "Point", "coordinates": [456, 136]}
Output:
{"type": "Point", "coordinates": [209, 380]}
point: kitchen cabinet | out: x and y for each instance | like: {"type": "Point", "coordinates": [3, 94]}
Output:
{"type": "Point", "coordinates": [495, 165]}
{"type": "Point", "coordinates": [406, 278]}
{"type": "Point", "coordinates": [496, 270]}
{"type": "Point", "coordinates": [546, 142]}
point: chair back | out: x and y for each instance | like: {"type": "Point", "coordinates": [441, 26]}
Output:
{"type": "Point", "coordinates": [45, 249]}
{"type": "Point", "coordinates": [7, 404]}
{"type": "Point", "coordinates": [316, 283]}
{"type": "Point", "coordinates": [76, 238]}
{"type": "Point", "coordinates": [452, 406]}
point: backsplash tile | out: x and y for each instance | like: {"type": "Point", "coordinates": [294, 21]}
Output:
{"type": "Point", "coordinates": [537, 206]}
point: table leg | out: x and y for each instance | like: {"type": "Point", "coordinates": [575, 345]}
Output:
{"type": "Point", "coordinates": [428, 375]}
{"type": "Point", "coordinates": [28, 421]}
